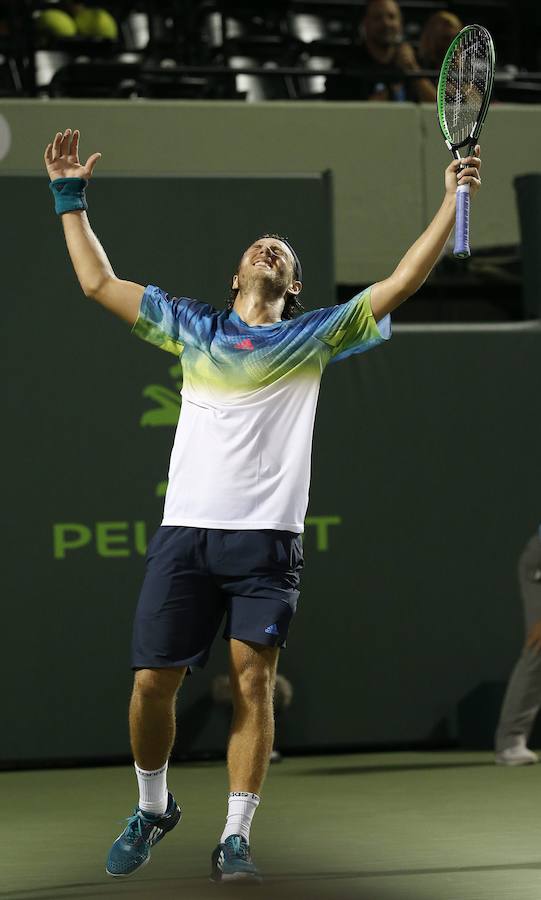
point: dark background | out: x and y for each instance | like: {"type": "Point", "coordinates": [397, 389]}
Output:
{"type": "Point", "coordinates": [426, 449]}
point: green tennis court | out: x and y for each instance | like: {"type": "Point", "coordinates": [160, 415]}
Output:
{"type": "Point", "coordinates": [440, 826]}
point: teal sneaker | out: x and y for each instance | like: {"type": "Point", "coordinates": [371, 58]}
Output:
{"type": "Point", "coordinates": [131, 850]}
{"type": "Point", "coordinates": [231, 861]}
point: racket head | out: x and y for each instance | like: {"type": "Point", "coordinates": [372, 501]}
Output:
{"type": "Point", "coordinates": [465, 86]}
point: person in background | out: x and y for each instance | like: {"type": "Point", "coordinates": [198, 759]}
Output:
{"type": "Point", "coordinates": [438, 32]}
{"type": "Point", "coordinates": [523, 695]}
{"type": "Point", "coordinates": [380, 49]}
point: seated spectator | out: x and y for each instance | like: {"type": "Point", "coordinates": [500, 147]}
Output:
{"type": "Point", "coordinates": [380, 50]}
{"type": "Point", "coordinates": [438, 32]}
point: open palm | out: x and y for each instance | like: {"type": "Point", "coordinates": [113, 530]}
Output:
{"type": "Point", "coordinates": [62, 157]}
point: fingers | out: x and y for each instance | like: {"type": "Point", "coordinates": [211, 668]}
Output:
{"type": "Point", "coordinates": [471, 161]}
{"type": "Point", "coordinates": [74, 146]}
{"type": "Point", "coordinates": [467, 175]}
{"type": "Point", "coordinates": [474, 161]}
{"type": "Point", "coordinates": [65, 142]}
{"type": "Point", "coordinates": [90, 163]}
{"type": "Point", "coordinates": [467, 168]}
{"type": "Point", "coordinates": [467, 161]}
{"type": "Point", "coordinates": [61, 144]}
{"type": "Point", "coordinates": [56, 145]}
{"type": "Point", "coordinates": [468, 179]}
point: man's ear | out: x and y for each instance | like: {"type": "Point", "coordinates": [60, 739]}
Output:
{"type": "Point", "coordinates": [295, 288]}
{"type": "Point", "coordinates": [235, 283]}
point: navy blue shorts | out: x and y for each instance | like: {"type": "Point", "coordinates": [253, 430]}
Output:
{"type": "Point", "coordinates": [196, 576]}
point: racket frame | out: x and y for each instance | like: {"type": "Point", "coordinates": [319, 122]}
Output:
{"type": "Point", "coordinates": [462, 227]}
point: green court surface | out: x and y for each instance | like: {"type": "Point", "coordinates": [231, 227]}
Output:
{"type": "Point", "coordinates": [411, 826]}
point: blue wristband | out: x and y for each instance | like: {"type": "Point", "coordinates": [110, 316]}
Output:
{"type": "Point", "coordinates": [69, 194]}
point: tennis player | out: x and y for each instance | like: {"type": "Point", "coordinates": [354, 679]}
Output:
{"type": "Point", "coordinates": [230, 541]}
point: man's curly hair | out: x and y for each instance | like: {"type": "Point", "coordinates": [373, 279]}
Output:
{"type": "Point", "coordinates": [292, 305]}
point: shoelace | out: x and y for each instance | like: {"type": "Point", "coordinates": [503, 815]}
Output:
{"type": "Point", "coordinates": [134, 828]}
{"type": "Point", "coordinates": [239, 848]}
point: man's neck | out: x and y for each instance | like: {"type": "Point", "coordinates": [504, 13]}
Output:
{"type": "Point", "coordinates": [257, 310]}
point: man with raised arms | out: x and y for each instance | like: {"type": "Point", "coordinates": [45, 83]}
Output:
{"type": "Point", "coordinates": [230, 541]}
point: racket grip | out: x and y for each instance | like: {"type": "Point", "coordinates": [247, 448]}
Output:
{"type": "Point", "coordinates": [462, 224]}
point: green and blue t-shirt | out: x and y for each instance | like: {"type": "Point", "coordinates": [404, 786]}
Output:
{"type": "Point", "coordinates": [242, 450]}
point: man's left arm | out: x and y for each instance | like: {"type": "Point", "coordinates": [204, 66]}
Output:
{"type": "Point", "coordinates": [415, 267]}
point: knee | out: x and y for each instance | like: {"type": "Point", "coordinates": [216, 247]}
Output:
{"type": "Point", "coordinates": [158, 684]}
{"type": "Point", "coordinates": [255, 686]}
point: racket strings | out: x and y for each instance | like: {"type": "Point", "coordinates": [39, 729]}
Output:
{"type": "Point", "coordinates": [466, 84]}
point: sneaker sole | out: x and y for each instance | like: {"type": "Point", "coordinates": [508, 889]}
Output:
{"type": "Point", "coordinates": [128, 874]}
{"type": "Point", "coordinates": [238, 876]}
{"type": "Point", "coordinates": [516, 762]}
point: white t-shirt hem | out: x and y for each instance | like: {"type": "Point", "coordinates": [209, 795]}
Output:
{"type": "Point", "coordinates": [234, 526]}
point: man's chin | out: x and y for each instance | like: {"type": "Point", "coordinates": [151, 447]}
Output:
{"type": "Point", "coordinates": [261, 275]}
{"type": "Point", "coordinates": [267, 281]}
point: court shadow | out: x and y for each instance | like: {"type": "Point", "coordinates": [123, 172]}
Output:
{"type": "Point", "coordinates": [313, 885]}
{"type": "Point", "coordinates": [331, 886]}
{"type": "Point", "coordinates": [382, 770]}
{"type": "Point", "coordinates": [198, 889]}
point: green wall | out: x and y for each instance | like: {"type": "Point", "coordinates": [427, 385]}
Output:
{"type": "Point", "coordinates": [425, 486]}
{"type": "Point", "coordinates": [387, 161]}
{"type": "Point", "coordinates": [89, 418]}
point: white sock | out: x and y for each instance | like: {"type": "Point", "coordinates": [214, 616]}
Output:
{"type": "Point", "coordinates": [241, 806]}
{"type": "Point", "coordinates": [152, 790]}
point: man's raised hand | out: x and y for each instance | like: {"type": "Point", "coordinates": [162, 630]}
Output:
{"type": "Point", "coordinates": [62, 157]}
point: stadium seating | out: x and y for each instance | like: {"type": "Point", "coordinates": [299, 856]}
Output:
{"type": "Point", "coordinates": [225, 49]}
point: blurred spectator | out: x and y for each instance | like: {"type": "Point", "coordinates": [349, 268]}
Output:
{"type": "Point", "coordinates": [523, 696]}
{"type": "Point", "coordinates": [78, 20]}
{"type": "Point", "coordinates": [380, 49]}
{"type": "Point", "coordinates": [436, 36]}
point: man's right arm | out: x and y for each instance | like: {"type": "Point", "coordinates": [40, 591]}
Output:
{"type": "Point", "coordinates": [92, 267]}
{"type": "Point", "coordinates": [94, 271]}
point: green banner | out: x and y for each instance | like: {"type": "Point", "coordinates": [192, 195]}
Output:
{"type": "Point", "coordinates": [425, 486]}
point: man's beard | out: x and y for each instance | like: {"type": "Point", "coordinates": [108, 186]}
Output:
{"type": "Point", "coordinates": [265, 281]}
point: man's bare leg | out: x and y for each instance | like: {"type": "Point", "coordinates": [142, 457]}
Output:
{"type": "Point", "coordinates": [252, 674]}
{"type": "Point", "coordinates": [152, 715]}
{"type": "Point", "coordinates": [152, 733]}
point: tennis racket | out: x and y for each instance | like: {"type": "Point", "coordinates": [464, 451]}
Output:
{"type": "Point", "coordinates": [464, 89]}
